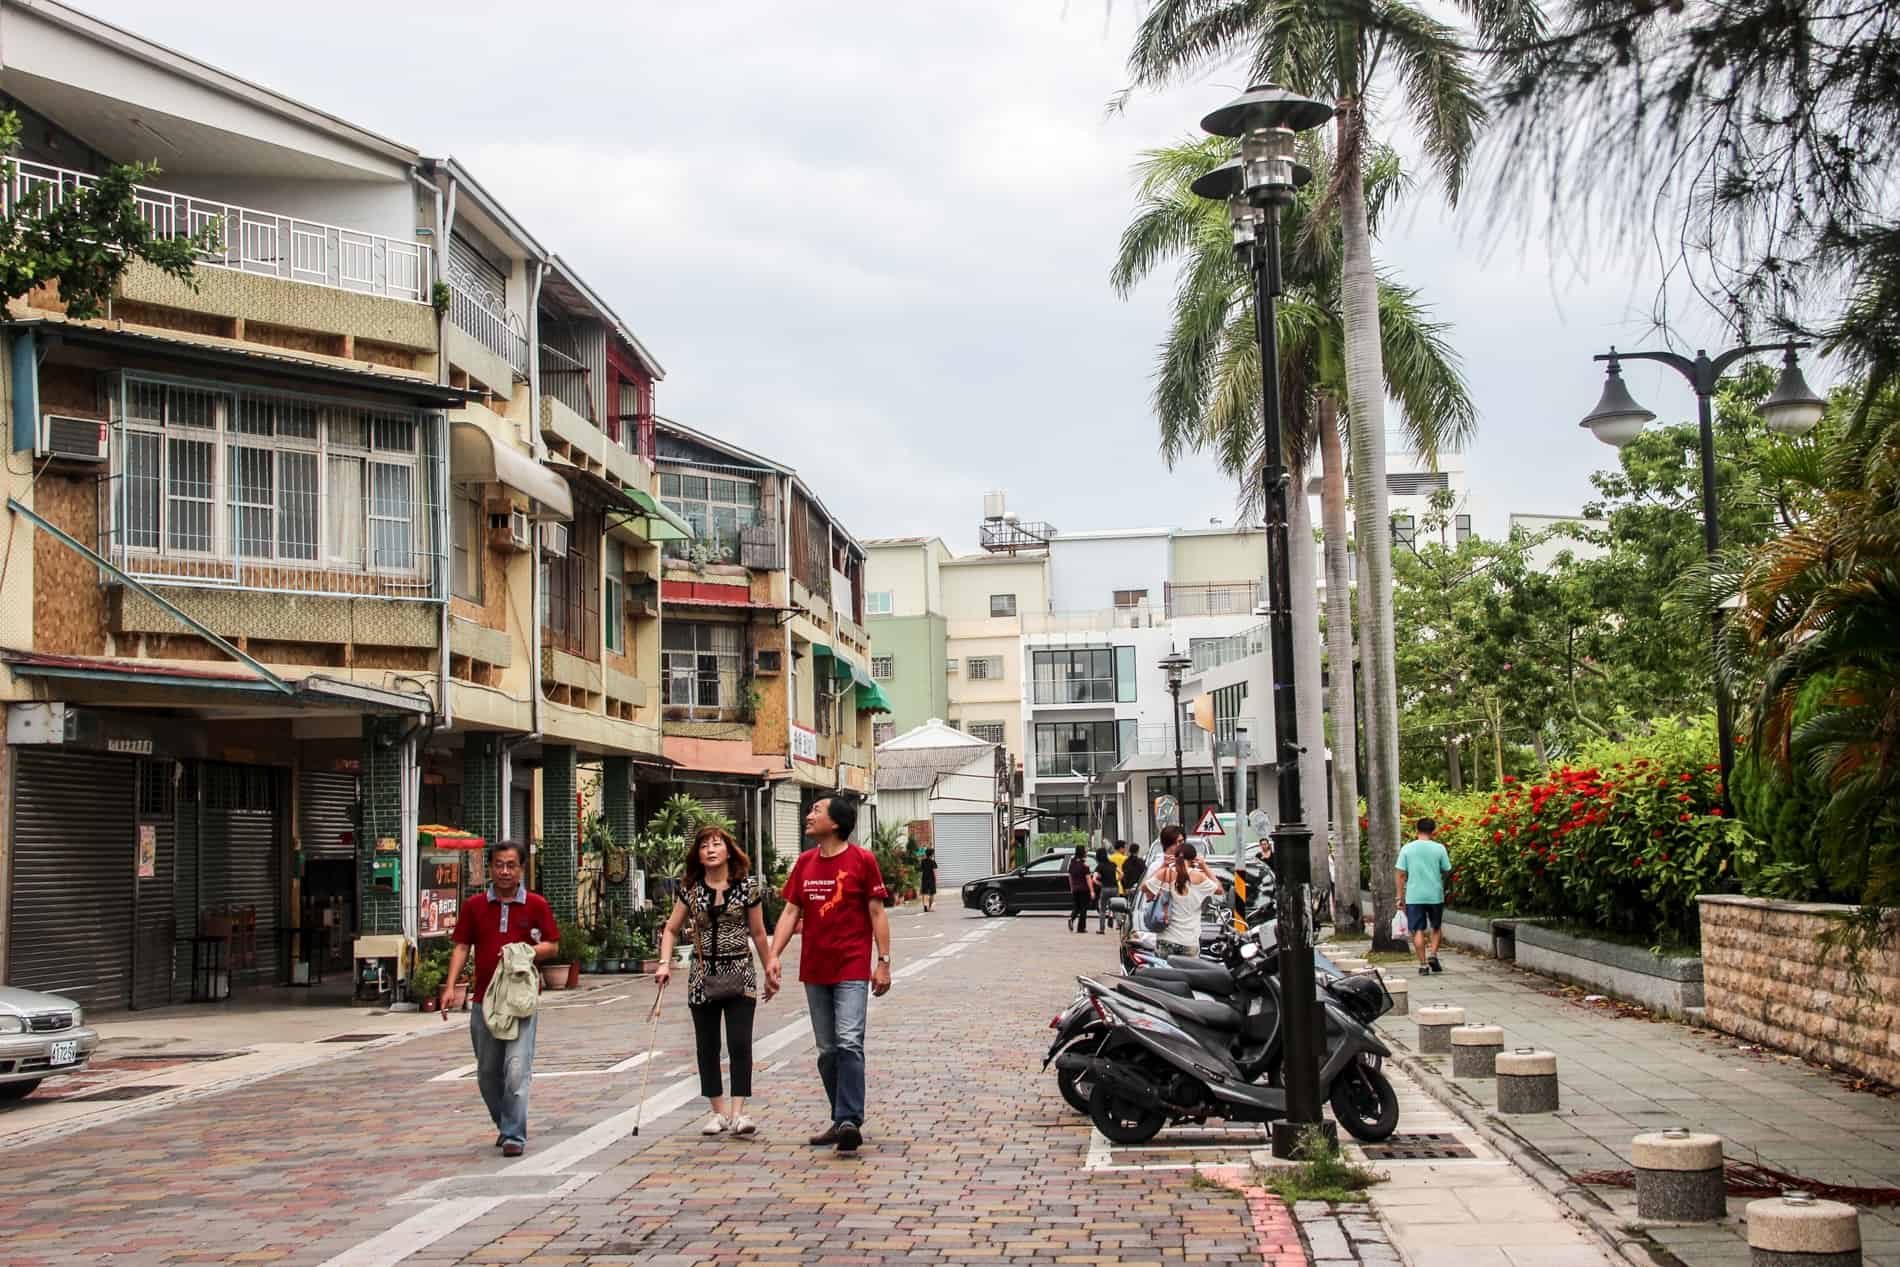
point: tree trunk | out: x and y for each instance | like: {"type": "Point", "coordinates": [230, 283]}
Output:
{"type": "Point", "coordinates": [1365, 389]}
{"type": "Point", "coordinates": [1455, 765]}
{"type": "Point", "coordinates": [1339, 655]}
{"type": "Point", "coordinates": [1308, 678]}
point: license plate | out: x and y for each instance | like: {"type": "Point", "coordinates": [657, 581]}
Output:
{"type": "Point", "coordinates": [66, 1052]}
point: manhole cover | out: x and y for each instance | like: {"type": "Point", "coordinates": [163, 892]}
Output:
{"type": "Point", "coordinates": [353, 1038]}
{"type": "Point", "coordinates": [1425, 1146]}
{"type": "Point", "coordinates": [121, 1093]}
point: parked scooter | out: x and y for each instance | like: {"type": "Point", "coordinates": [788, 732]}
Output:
{"type": "Point", "coordinates": [1164, 1058]}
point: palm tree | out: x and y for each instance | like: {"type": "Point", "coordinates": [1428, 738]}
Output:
{"type": "Point", "coordinates": [1819, 606]}
{"type": "Point", "coordinates": [1207, 392]}
{"type": "Point", "coordinates": [1348, 51]}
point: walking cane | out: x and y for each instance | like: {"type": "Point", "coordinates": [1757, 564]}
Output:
{"type": "Point", "coordinates": [646, 1073]}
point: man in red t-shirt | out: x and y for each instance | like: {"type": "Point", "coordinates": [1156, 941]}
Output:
{"type": "Point", "coordinates": [506, 913]}
{"type": "Point", "coordinates": [839, 894]}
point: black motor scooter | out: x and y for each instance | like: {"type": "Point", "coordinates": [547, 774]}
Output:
{"type": "Point", "coordinates": [1156, 1064]}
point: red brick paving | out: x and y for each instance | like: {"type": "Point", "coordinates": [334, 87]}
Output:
{"type": "Point", "coordinates": [970, 1154]}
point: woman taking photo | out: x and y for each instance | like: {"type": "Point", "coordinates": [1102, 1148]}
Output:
{"type": "Point", "coordinates": [1190, 883]}
{"type": "Point", "coordinates": [719, 906]}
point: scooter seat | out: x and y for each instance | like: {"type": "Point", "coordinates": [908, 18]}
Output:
{"type": "Point", "coordinates": [1197, 1011]}
{"type": "Point", "coordinates": [1209, 978]}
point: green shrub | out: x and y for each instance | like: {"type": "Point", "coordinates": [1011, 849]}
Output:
{"type": "Point", "coordinates": [1623, 839]}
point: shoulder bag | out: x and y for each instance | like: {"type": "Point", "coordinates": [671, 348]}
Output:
{"type": "Point", "coordinates": [721, 977]}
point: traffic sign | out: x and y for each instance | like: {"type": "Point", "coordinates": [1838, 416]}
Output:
{"type": "Point", "coordinates": [1210, 825]}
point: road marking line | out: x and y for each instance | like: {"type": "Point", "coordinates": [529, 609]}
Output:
{"type": "Point", "coordinates": [431, 1225]}
{"type": "Point", "coordinates": [417, 1232]}
{"type": "Point", "coordinates": [456, 1074]}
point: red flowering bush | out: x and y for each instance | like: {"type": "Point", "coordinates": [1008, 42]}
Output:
{"type": "Point", "coordinates": [1623, 838]}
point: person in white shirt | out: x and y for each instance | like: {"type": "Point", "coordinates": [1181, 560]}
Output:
{"type": "Point", "coordinates": [1191, 883]}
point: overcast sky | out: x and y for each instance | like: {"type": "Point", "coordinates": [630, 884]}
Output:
{"type": "Point", "coordinates": [872, 240]}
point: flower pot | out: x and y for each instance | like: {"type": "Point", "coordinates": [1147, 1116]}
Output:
{"type": "Point", "coordinates": [430, 1004]}
{"type": "Point", "coordinates": [458, 995]}
{"type": "Point", "coordinates": [590, 965]}
{"type": "Point", "coordinates": [649, 966]}
{"type": "Point", "coordinates": [560, 976]}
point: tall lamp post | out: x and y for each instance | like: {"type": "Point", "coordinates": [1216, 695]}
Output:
{"type": "Point", "coordinates": [1267, 119]}
{"type": "Point", "coordinates": [1792, 409]}
{"type": "Point", "coordinates": [1176, 665]}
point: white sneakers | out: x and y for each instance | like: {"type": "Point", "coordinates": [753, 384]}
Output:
{"type": "Point", "coordinates": [717, 1125]}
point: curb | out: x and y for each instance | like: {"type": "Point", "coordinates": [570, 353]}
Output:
{"type": "Point", "coordinates": [1579, 1202]}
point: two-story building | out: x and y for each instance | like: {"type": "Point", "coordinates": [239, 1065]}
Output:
{"type": "Point", "coordinates": [768, 702]}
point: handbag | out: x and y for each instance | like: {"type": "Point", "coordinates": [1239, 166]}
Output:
{"type": "Point", "coordinates": [1154, 916]}
{"type": "Point", "coordinates": [721, 977]}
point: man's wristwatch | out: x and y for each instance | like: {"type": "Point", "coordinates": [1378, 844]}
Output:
{"type": "Point", "coordinates": [885, 960]}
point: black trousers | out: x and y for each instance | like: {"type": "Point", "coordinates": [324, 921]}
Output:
{"type": "Point", "coordinates": [738, 1013]}
{"type": "Point", "coordinates": [1079, 907]}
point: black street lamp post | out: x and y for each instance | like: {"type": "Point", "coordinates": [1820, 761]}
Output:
{"type": "Point", "coordinates": [1267, 119]}
{"type": "Point", "coordinates": [1175, 665]}
{"type": "Point", "coordinates": [1792, 409]}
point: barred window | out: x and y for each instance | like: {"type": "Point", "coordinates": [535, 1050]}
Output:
{"type": "Point", "coordinates": [245, 477]}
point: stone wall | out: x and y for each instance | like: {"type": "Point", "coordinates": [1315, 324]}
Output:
{"type": "Point", "coordinates": [1769, 978]}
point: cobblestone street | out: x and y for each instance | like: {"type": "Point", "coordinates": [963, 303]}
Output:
{"type": "Point", "coordinates": [385, 1155]}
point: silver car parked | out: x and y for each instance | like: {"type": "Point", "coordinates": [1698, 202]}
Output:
{"type": "Point", "coordinates": [41, 1036]}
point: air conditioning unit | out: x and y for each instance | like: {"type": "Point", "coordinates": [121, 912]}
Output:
{"type": "Point", "coordinates": [768, 663]}
{"type": "Point", "coordinates": [950, 668]}
{"type": "Point", "coordinates": [518, 529]}
{"type": "Point", "coordinates": [554, 540]}
{"type": "Point", "coordinates": [71, 439]}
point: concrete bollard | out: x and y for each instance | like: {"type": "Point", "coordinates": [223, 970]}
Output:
{"type": "Point", "coordinates": [1527, 1081]}
{"type": "Point", "coordinates": [1679, 1177]}
{"type": "Point", "coordinates": [1401, 995]}
{"type": "Point", "coordinates": [1474, 1051]}
{"type": "Point", "coordinates": [1795, 1230]}
{"type": "Point", "coordinates": [1435, 1026]}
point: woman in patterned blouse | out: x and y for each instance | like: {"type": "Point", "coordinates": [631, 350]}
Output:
{"type": "Point", "coordinates": [722, 900]}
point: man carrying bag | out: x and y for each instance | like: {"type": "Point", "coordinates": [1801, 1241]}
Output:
{"type": "Point", "coordinates": [510, 930]}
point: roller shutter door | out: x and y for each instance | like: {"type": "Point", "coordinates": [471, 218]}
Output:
{"type": "Point", "coordinates": [75, 846]}
{"type": "Point", "coordinates": [155, 913]}
{"type": "Point", "coordinates": [326, 814]}
{"type": "Point", "coordinates": [185, 895]}
{"type": "Point", "coordinates": [238, 856]}
{"type": "Point", "coordinates": [964, 844]}
{"type": "Point", "coordinates": [788, 824]}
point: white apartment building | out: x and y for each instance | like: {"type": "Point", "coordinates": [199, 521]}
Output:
{"type": "Point", "coordinates": [1552, 536]}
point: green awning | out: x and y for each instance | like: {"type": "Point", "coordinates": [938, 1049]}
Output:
{"type": "Point", "coordinates": [663, 524]}
{"type": "Point", "coordinates": [871, 699]}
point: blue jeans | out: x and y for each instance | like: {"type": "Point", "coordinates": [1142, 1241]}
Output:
{"type": "Point", "coordinates": [503, 1071]}
{"type": "Point", "coordinates": [837, 1022]}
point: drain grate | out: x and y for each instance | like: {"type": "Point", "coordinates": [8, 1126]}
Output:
{"type": "Point", "coordinates": [1425, 1146]}
{"type": "Point", "coordinates": [353, 1038]}
{"type": "Point", "coordinates": [121, 1093]}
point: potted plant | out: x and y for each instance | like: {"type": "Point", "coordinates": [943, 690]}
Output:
{"type": "Point", "coordinates": [425, 981]}
{"type": "Point", "coordinates": [620, 945]}
{"type": "Point", "coordinates": [593, 960]}
{"type": "Point", "coordinates": [565, 972]}
{"type": "Point", "coordinates": [640, 953]}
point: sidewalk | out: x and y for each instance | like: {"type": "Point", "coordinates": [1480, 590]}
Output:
{"type": "Point", "coordinates": [1622, 1073]}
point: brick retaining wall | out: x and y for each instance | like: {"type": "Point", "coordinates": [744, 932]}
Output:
{"type": "Point", "coordinates": [1768, 978]}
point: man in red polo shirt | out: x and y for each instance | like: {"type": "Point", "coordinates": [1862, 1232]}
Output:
{"type": "Point", "coordinates": [506, 913]}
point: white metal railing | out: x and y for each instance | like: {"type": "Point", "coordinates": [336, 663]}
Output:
{"type": "Point", "coordinates": [567, 380]}
{"type": "Point", "coordinates": [1091, 620]}
{"type": "Point", "coordinates": [247, 240]}
{"type": "Point", "coordinates": [500, 331]}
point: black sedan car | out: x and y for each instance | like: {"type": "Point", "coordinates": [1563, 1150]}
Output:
{"type": "Point", "coordinates": [1043, 885]}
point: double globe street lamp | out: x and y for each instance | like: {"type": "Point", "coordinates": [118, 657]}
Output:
{"type": "Point", "coordinates": [1792, 410]}
{"type": "Point", "coordinates": [1256, 186]}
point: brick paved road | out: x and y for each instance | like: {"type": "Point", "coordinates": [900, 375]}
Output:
{"type": "Point", "coordinates": [970, 1155]}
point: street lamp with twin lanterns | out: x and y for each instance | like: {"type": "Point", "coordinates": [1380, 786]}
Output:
{"type": "Point", "coordinates": [1791, 409]}
{"type": "Point", "coordinates": [1256, 186]}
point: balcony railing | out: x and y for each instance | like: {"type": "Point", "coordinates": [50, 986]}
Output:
{"type": "Point", "coordinates": [1211, 653]}
{"type": "Point", "coordinates": [246, 240]}
{"type": "Point", "coordinates": [1156, 739]}
{"type": "Point", "coordinates": [1092, 620]}
{"type": "Point", "coordinates": [494, 327]}
{"type": "Point", "coordinates": [1220, 598]}
{"type": "Point", "coordinates": [1063, 765]}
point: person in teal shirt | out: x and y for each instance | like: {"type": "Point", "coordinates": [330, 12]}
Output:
{"type": "Point", "coordinates": [1422, 868]}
